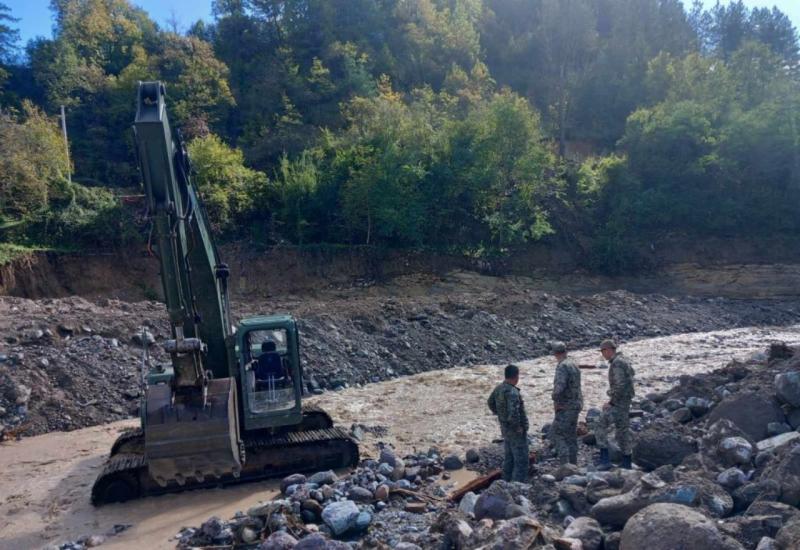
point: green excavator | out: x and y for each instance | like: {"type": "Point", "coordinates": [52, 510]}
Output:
{"type": "Point", "coordinates": [228, 408]}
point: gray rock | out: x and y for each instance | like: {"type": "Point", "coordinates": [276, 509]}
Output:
{"type": "Point", "coordinates": [732, 478]}
{"type": "Point", "coordinates": [360, 494]}
{"type": "Point", "coordinates": [672, 404]}
{"type": "Point", "coordinates": [690, 491]}
{"type": "Point", "coordinates": [473, 456]}
{"type": "Point", "coordinates": [735, 451]}
{"type": "Point", "coordinates": [467, 504]}
{"type": "Point", "coordinates": [682, 415]}
{"type": "Point", "coordinates": [665, 526]}
{"type": "Point", "coordinates": [787, 388]}
{"type": "Point", "coordinates": [789, 535]}
{"type": "Point", "coordinates": [340, 516]}
{"type": "Point", "coordinates": [362, 521]}
{"type": "Point", "coordinates": [612, 541]}
{"type": "Point", "coordinates": [494, 502]}
{"type": "Point", "coordinates": [323, 478]}
{"type": "Point", "coordinates": [785, 472]}
{"type": "Point", "coordinates": [586, 530]}
{"type": "Point", "coordinates": [388, 456]}
{"type": "Point", "coordinates": [698, 405]}
{"type": "Point", "coordinates": [772, 508]}
{"type": "Point", "coordinates": [778, 428]}
{"type": "Point", "coordinates": [773, 443]}
{"type": "Point", "coordinates": [767, 543]}
{"type": "Point", "coordinates": [658, 446]}
{"type": "Point", "coordinates": [294, 479]}
{"type": "Point", "coordinates": [751, 412]}
{"type": "Point", "coordinates": [452, 462]}
{"type": "Point", "coordinates": [279, 540]}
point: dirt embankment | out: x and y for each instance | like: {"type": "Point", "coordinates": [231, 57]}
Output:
{"type": "Point", "coordinates": [712, 267]}
{"type": "Point", "coordinates": [68, 363]}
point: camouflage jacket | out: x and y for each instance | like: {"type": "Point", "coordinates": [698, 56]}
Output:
{"type": "Point", "coordinates": [506, 402]}
{"type": "Point", "coordinates": [567, 385]}
{"type": "Point", "coordinates": [620, 380]}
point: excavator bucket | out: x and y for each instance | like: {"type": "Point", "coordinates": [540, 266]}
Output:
{"type": "Point", "coordinates": [192, 442]}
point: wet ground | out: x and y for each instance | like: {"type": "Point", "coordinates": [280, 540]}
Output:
{"type": "Point", "coordinates": [45, 480]}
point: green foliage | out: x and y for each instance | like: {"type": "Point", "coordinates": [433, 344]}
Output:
{"type": "Point", "coordinates": [454, 124]}
{"type": "Point", "coordinates": [33, 163]}
{"type": "Point", "coordinates": [228, 188]}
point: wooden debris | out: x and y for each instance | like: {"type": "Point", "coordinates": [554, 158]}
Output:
{"type": "Point", "coordinates": [475, 485]}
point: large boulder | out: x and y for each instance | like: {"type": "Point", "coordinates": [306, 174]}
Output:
{"type": "Point", "coordinates": [689, 491]}
{"type": "Point", "coordinates": [787, 388]}
{"type": "Point", "coordinates": [785, 471]}
{"type": "Point", "coordinates": [340, 516]}
{"type": "Point", "coordinates": [657, 447]}
{"type": "Point", "coordinates": [788, 537]}
{"type": "Point", "coordinates": [665, 526]}
{"type": "Point", "coordinates": [503, 500]}
{"type": "Point", "coordinates": [724, 445]}
{"type": "Point", "coordinates": [586, 530]}
{"type": "Point", "coordinates": [751, 412]}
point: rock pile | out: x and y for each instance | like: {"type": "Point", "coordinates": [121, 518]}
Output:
{"type": "Point", "coordinates": [707, 483]}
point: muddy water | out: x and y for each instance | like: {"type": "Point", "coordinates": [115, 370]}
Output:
{"type": "Point", "coordinates": [448, 409]}
{"type": "Point", "coordinates": [45, 481]}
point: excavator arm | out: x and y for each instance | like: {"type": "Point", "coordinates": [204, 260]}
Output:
{"type": "Point", "coordinates": [194, 279]}
{"type": "Point", "coordinates": [191, 420]}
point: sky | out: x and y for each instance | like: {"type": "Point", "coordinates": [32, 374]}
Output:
{"type": "Point", "coordinates": [35, 18]}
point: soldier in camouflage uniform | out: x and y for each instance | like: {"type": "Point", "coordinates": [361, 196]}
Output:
{"type": "Point", "coordinates": [506, 402]}
{"type": "Point", "coordinates": [567, 403]}
{"type": "Point", "coordinates": [617, 411]}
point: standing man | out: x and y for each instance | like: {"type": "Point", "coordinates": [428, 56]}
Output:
{"type": "Point", "coordinates": [617, 410]}
{"type": "Point", "coordinates": [567, 403]}
{"type": "Point", "coordinates": [506, 402]}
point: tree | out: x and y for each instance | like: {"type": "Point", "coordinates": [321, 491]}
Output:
{"type": "Point", "coordinates": [9, 36]}
{"type": "Point", "coordinates": [228, 188]}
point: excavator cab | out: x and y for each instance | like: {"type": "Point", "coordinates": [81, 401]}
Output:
{"type": "Point", "coordinates": [269, 363]}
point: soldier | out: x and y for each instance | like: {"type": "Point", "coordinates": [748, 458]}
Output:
{"type": "Point", "coordinates": [617, 410]}
{"type": "Point", "coordinates": [567, 403]}
{"type": "Point", "coordinates": [506, 402]}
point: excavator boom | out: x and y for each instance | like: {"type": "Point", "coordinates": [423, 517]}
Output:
{"type": "Point", "coordinates": [229, 407]}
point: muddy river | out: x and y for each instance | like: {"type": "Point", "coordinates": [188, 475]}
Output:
{"type": "Point", "coordinates": [45, 480]}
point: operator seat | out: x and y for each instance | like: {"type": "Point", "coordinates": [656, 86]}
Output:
{"type": "Point", "coordinates": [269, 365]}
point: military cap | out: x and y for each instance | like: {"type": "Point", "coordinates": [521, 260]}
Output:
{"type": "Point", "coordinates": [558, 347]}
{"type": "Point", "coordinates": [608, 344]}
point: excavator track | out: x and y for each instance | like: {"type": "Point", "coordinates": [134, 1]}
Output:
{"type": "Point", "coordinates": [125, 475]}
{"type": "Point", "coordinates": [131, 440]}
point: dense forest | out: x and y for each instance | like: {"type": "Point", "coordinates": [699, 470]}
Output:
{"type": "Point", "coordinates": [464, 126]}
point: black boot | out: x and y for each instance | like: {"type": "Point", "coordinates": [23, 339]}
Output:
{"type": "Point", "coordinates": [626, 462]}
{"type": "Point", "coordinates": [605, 462]}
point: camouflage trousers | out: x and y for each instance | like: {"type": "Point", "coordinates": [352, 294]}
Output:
{"type": "Point", "coordinates": [618, 416]}
{"type": "Point", "coordinates": [563, 435]}
{"type": "Point", "coordinates": [516, 460]}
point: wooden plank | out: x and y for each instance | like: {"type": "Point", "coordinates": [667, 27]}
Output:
{"type": "Point", "coordinates": [475, 485]}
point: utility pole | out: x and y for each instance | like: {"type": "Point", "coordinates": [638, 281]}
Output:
{"type": "Point", "coordinates": [66, 143]}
